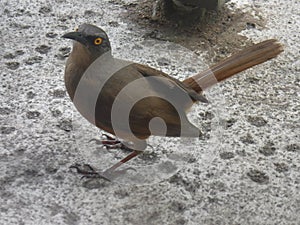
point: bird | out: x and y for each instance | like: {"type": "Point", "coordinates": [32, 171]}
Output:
{"type": "Point", "coordinates": [133, 101]}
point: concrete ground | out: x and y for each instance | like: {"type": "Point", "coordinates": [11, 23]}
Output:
{"type": "Point", "coordinates": [246, 170]}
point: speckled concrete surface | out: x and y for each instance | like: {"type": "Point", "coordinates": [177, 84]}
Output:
{"type": "Point", "coordinates": [252, 177]}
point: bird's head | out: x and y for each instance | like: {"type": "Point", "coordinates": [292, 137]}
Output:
{"type": "Point", "coordinates": [93, 38]}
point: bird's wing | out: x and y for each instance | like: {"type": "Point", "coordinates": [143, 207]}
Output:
{"type": "Point", "coordinates": [128, 98]}
{"type": "Point", "coordinates": [147, 71]}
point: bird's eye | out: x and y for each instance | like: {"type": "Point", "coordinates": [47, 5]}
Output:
{"type": "Point", "coordinates": [76, 29]}
{"type": "Point", "coordinates": [98, 41]}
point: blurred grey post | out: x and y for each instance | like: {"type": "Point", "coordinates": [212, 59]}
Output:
{"type": "Point", "coordinates": [185, 9]}
{"type": "Point", "coordinates": [190, 5]}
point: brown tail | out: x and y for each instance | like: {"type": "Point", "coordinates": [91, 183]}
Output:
{"type": "Point", "coordinates": [234, 64]}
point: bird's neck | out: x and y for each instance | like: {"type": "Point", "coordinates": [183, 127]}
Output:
{"type": "Point", "coordinates": [78, 62]}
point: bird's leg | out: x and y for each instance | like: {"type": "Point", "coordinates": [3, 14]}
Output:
{"type": "Point", "coordinates": [112, 172]}
{"type": "Point", "coordinates": [121, 162]}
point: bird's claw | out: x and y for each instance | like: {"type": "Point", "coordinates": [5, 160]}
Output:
{"type": "Point", "coordinates": [89, 172]}
{"type": "Point", "coordinates": [111, 143]}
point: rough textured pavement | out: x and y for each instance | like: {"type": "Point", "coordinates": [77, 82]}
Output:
{"type": "Point", "coordinates": [245, 171]}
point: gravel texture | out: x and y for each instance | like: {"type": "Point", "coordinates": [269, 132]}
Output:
{"type": "Point", "coordinates": [245, 170]}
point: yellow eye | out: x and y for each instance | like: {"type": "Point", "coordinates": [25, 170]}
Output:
{"type": "Point", "coordinates": [98, 41]}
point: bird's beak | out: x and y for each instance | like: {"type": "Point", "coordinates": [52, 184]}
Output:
{"type": "Point", "coordinates": [77, 36]}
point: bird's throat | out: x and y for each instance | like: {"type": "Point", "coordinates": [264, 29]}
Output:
{"type": "Point", "coordinates": [78, 62]}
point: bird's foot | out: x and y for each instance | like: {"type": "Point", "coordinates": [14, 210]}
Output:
{"type": "Point", "coordinates": [88, 171]}
{"type": "Point", "coordinates": [112, 143]}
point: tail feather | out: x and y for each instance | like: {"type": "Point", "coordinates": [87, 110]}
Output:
{"type": "Point", "coordinates": [234, 64]}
